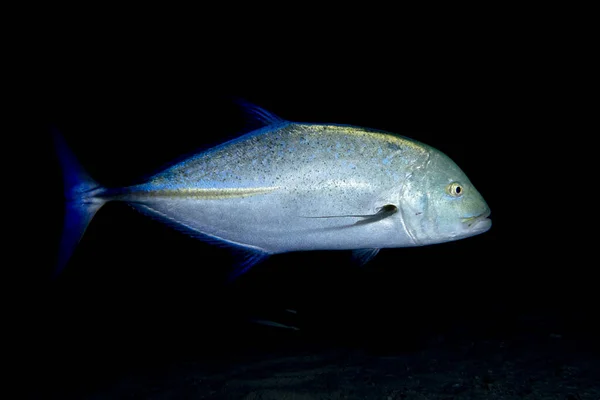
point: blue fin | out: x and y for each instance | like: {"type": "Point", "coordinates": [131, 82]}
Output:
{"type": "Point", "coordinates": [255, 118]}
{"type": "Point", "coordinates": [81, 200]}
{"type": "Point", "coordinates": [363, 256]}
{"type": "Point", "coordinates": [258, 117]}
{"type": "Point", "coordinates": [245, 260]}
{"type": "Point", "coordinates": [245, 257]}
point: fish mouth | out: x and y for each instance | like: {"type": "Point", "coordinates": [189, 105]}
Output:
{"type": "Point", "coordinates": [479, 222]}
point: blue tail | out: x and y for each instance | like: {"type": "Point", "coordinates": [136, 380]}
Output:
{"type": "Point", "coordinates": [82, 200]}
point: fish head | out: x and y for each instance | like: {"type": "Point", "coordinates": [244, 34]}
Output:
{"type": "Point", "coordinates": [440, 204]}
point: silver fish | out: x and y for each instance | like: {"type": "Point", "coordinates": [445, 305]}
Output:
{"type": "Point", "coordinates": [291, 186]}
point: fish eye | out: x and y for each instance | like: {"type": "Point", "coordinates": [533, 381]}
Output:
{"type": "Point", "coordinates": [455, 189]}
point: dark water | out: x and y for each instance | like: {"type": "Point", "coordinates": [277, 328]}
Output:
{"type": "Point", "coordinates": [143, 311]}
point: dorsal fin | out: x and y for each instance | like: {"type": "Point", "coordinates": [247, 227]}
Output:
{"type": "Point", "coordinates": [257, 117]}
{"type": "Point", "coordinates": [254, 118]}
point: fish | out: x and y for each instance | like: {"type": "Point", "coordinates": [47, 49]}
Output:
{"type": "Point", "coordinates": [293, 186]}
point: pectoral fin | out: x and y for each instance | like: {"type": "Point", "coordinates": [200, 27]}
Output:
{"type": "Point", "coordinates": [382, 213]}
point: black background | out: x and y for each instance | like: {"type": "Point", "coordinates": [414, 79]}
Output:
{"type": "Point", "coordinates": [137, 294]}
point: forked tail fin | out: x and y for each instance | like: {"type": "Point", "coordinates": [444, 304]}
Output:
{"type": "Point", "coordinates": [82, 200]}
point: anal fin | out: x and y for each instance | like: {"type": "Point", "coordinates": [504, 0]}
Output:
{"type": "Point", "coordinates": [363, 256]}
{"type": "Point", "coordinates": [245, 257]}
